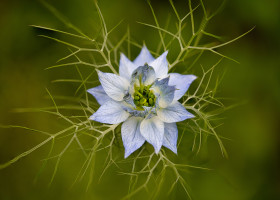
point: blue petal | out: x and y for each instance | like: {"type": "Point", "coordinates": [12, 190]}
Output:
{"type": "Point", "coordinates": [160, 65]}
{"type": "Point", "coordinates": [131, 136]}
{"type": "Point", "coordinates": [110, 113]}
{"type": "Point", "coordinates": [144, 57]}
{"type": "Point", "coordinates": [129, 100]}
{"type": "Point", "coordinates": [126, 67]}
{"type": "Point", "coordinates": [181, 83]}
{"type": "Point", "coordinates": [153, 130]}
{"type": "Point", "coordinates": [170, 136]}
{"type": "Point", "coordinates": [176, 112]}
{"type": "Point", "coordinates": [99, 94]}
{"type": "Point", "coordinates": [164, 91]}
{"type": "Point", "coordinates": [115, 86]}
{"type": "Point", "coordinates": [147, 74]}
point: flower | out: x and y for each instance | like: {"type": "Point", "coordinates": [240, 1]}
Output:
{"type": "Point", "coordinates": [145, 98]}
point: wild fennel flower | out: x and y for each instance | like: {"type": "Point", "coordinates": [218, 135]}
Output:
{"type": "Point", "coordinates": [145, 98]}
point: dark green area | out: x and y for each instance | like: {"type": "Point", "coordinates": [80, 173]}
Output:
{"type": "Point", "coordinates": [252, 170]}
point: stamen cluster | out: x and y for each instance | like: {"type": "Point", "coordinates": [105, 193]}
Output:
{"type": "Point", "coordinates": [143, 96]}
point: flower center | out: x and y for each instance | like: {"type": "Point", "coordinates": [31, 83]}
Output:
{"type": "Point", "coordinates": [143, 96]}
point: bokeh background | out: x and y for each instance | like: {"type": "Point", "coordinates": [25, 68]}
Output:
{"type": "Point", "coordinates": [252, 170]}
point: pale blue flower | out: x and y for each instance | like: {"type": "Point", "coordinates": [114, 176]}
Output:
{"type": "Point", "coordinates": [145, 98]}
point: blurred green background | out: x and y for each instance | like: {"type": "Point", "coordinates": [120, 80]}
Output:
{"type": "Point", "coordinates": [252, 170]}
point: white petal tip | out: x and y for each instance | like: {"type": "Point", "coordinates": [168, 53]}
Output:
{"type": "Point", "coordinates": [123, 58]}
{"type": "Point", "coordinates": [174, 151]}
{"type": "Point", "coordinates": [193, 77]}
{"type": "Point", "coordinates": [126, 155]}
{"type": "Point", "coordinates": [91, 90]}
{"type": "Point", "coordinates": [98, 71]}
{"type": "Point", "coordinates": [190, 116]}
{"type": "Point", "coordinates": [144, 47]}
{"type": "Point", "coordinates": [172, 148]}
{"type": "Point", "coordinates": [157, 151]}
{"type": "Point", "coordinates": [164, 54]}
{"type": "Point", "coordinates": [92, 117]}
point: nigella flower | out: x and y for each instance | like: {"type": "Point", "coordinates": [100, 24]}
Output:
{"type": "Point", "coordinates": [145, 98]}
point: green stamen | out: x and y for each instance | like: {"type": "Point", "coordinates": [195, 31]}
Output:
{"type": "Point", "coordinates": [138, 93]}
{"type": "Point", "coordinates": [142, 101]}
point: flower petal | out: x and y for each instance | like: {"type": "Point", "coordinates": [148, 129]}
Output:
{"type": "Point", "coordinates": [126, 67]}
{"type": "Point", "coordinates": [110, 113]}
{"type": "Point", "coordinates": [152, 130]}
{"type": "Point", "coordinates": [181, 83]}
{"type": "Point", "coordinates": [131, 136]}
{"type": "Point", "coordinates": [115, 86]}
{"type": "Point", "coordinates": [99, 94]}
{"type": "Point", "coordinates": [146, 73]}
{"type": "Point", "coordinates": [170, 136]}
{"type": "Point", "coordinates": [176, 112]}
{"type": "Point", "coordinates": [144, 57]}
{"type": "Point", "coordinates": [160, 65]}
{"type": "Point", "coordinates": [164, 91]}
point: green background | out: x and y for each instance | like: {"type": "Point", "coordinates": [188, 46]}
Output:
{"type": "Point", "coordinates": [252, 170]}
